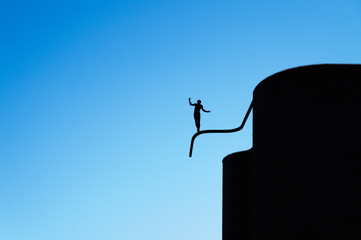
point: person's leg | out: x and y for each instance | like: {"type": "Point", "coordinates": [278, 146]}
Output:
{"type": "Point", "coordinates": [198, 123]}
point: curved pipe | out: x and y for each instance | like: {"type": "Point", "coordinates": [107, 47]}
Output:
{"type": "Point", "coordinates": [221, 131]}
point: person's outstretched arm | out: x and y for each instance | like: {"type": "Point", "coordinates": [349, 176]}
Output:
{"type": "Point", "coordinates": [205, 110]}
{"type": "Point", "coordinates": [190, 103]}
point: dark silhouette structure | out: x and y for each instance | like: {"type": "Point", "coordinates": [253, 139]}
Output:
{"type": "Point", "coordinates": [197, 112]}
{"type": "Point", "coordinates": [302, 178]}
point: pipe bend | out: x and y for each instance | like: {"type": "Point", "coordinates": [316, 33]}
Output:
{"type": "Point", "coordinates": [221, 130]}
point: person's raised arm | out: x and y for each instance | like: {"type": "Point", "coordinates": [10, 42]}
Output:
{"type": "Point", "coordinates": [190, 103]}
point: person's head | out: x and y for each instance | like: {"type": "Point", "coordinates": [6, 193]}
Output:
{"type": "Point", "coordinates": [199, 101]}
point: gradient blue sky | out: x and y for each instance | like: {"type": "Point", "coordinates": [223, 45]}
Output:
{"type": "Point", "coordinates": [95, 124]}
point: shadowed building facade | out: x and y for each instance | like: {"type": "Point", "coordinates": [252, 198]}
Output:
{"type": "Point", "coordinates": [302, 177]}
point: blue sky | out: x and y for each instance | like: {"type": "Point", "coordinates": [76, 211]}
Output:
{"type": "Point", "coordinates": [95, 124]}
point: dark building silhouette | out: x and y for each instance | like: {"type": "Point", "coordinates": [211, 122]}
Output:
{"type": "Point", "coordinates": [302, 177]}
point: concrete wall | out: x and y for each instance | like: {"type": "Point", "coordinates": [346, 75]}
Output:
{"type": "Point", "coordinates": [302, 178]}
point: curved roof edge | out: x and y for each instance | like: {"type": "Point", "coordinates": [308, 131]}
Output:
{"type": "Point", "coordinates": [304, 68]}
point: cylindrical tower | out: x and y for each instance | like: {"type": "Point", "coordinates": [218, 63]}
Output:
{"type": "Point", "coordinates": [304, 170]}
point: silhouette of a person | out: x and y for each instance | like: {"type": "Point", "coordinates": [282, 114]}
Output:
{"type": "Point", "coordinates": [197, 112]}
